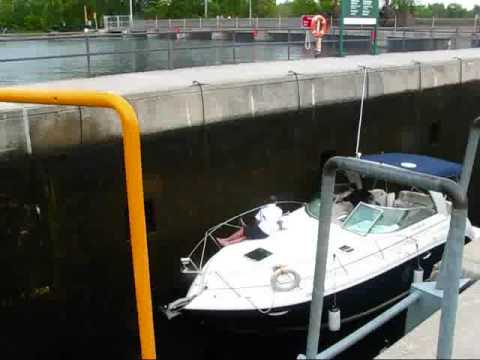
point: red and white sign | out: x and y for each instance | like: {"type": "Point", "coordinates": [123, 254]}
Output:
{"type": "Point", "coordinates": [307, 21]}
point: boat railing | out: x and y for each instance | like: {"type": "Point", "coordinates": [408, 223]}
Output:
{"type": "Point", "coordinates": [194, 261]}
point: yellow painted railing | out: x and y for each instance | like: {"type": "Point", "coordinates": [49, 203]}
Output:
{"type": "Point", "coordinates": [133, 170]}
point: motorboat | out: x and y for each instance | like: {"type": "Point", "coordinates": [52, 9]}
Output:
{"type": "Point", "coordinates": [375, 245]}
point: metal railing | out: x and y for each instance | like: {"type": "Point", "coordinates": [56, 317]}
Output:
{"type": "Point", "coordinates": [134, 188]}
{"type": "Point", "coordinates": [455, 241]}
{"type": "Point", "coordinates": [117, 23]}
{"type": "Point", "coordinates": [450, 272]}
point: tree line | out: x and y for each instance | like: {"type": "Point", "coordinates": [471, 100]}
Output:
{"type": "Point", "coordinates": [47, 15]}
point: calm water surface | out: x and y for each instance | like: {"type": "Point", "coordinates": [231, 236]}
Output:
{"type": "Point", "coordinates": [20, 72]}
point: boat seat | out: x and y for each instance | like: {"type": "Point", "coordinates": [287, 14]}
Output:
{"type": "Point", "coordinates": [379, 196]}
{"type": "Point", "coordinates": [390, 200]}
{"type": "Point", "coordinates": [407, 199]}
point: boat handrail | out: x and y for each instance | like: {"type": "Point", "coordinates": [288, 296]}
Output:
{"type": "Point", "coordinates": [226, 223]}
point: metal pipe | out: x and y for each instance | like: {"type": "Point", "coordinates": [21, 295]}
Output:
{"type": "Point", "coordinates": [131, 13]}
{"type": "Point", "coordinates": [288, 44]}
{"type": "Point", "coordinates": [134, 188]}
{"type": "Point", "coordinates": [87, 48]}
{"type": "Point", "coordinates": [234, 38]}
{"type": "Point", "coordinates": [372, 325]}
{"type": "Point", "coordinates": [453, 272]}
{"type": "Point", "coordinates": [470, 154]}
{"type": "Point", "coordinates": [382, 172]}
{"type": "Point", "coordinates": [316, 307]}
{"type": "Point", "coordinates": [465, 176]}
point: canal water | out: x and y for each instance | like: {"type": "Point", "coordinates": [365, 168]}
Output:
{"type": "Point", "coordinates": [141, 53]}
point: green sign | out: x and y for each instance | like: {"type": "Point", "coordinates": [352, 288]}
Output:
{"type": "Point", "coordinates": [356, 12]}
{"type": "Point", "coordinates": [359, 12]}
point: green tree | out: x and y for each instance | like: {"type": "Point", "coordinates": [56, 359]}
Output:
{"type": "Point", "coordinates": [6, 14]}
{"type": "Point", "coordinates": [264, 8]}
{"type": "Point", "coordinates": [438, 10]}
{"type": "Point", "coordinates": [157, 8]}
{"type": "Point", "coordinates": [403, 5]}
{"type": "Point", "coordinates": [455, 11]}
{"type": "Point", "coordinates": [476, 10]}
{"type": "Point", "coordinates": [423, 11]}
{"type": "Point", "coordinates": [328, 6]}
{"type": "Point", "coordinates": [305, 7]}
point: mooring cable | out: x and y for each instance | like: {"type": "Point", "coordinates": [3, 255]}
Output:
{"type": "Point", "coordinates": [294, 73]}
{"type": "Point", "coordinates": [360, 120]}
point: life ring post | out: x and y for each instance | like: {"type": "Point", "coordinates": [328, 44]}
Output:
{"type": "Point", "coordinates": [319, 28]}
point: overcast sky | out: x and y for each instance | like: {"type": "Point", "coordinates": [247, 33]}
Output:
{"type": "Point", "coordinates": [468, 4]}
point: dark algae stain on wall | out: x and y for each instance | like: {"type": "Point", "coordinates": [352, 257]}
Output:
{"type": "Point", "coordinates": [65, 265]}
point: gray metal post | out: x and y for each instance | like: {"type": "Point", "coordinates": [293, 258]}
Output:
{"type": "Point", "coordinates": [288, 44]}
{"type": "Point", "coordinates": [468, 162]}
{"type": "Point", "coordinates": [453, 272]}
{"type": "Point", "coordinates": [402, 177]}
{"type": "Point", "coordinates": [316, 307]}
{"type": "Point", "coordinates": [205, 11]}
{"type": "Point", "coordinates": [87, 48]}
{"type": "Point", "coordinates": [470, 154]}
{"type": "Point", "coordinates": [234, 38]}
{"type": "Point", "coordinates": [170, 54]}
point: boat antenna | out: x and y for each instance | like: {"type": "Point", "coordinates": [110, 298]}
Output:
{"type": "Point", "coordinates": [359, 129]}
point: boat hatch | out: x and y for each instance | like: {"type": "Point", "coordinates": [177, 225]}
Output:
{"type": "Point", "coordinates": [258, 254]}
{"type": "Point", "coordinates": [346, 248]}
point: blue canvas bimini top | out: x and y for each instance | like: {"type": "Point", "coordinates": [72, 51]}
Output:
{"type": "Point", "coordinates": [420, 163]}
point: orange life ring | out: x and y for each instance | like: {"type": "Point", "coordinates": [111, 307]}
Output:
{"type": "Point", "coordinates": [319, 26]}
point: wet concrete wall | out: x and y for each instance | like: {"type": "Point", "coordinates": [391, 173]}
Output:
{"type": "Point", "coordinates": [66, 269]}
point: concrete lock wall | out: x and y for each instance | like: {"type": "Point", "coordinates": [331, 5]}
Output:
{"type": "Point", "coordinates": [167, 100]}
{"type": "Point", "coordinates": [77, 252]}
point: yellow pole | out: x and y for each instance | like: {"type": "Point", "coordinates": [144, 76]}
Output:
{"type": "Point", "coordinates": [133, 170]}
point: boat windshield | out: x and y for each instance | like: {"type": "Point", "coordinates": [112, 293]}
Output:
{"type": "Point", "coordinates": [366, 218]}
{"type": "Point", "coordinates": [362, 219]}
{"type": "Point", "coordinates": [313, 207]}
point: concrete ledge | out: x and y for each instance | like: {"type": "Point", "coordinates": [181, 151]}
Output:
{"type": "Point", "coordinates": [167, 100]}
{"type": "Point", "coordinates": [421, 343]}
